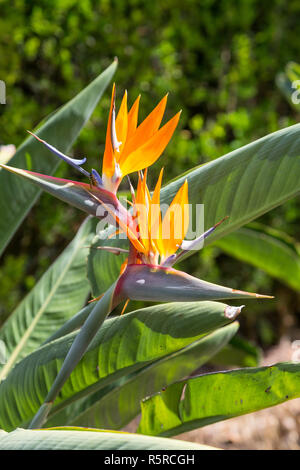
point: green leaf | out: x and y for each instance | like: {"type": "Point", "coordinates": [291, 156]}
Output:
{"type": "Point", "coordinates": [89, 439]}
{"type": "Point", "coordinates": [209, 398]}
{"type": "Point", "coordinates": [122, 346]}
{"type": "Point", "coordinates": [61, 130]}
{"type": "Point", "coordinates": [245, 183]}
{"type": "Point", "coordinates": [60, 292]}
{"type": "Point", "coordinates": [74, 323]}
{"type": "Point", "coordinates": [120, 405]}
{"type": "Point", "coordinates": [266, 249]}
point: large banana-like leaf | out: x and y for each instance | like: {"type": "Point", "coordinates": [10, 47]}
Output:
{"type": "Point", "coordinates": [122, 346]}
{"type": "Point", "coordinates": [120, 405]}
{"type": "Point", "coordinates": [242, 185]}
{"type": "Point", "coordinates": [89, 439]}
{"type": "Point", "coordinates": [209, 398]}
{"type": "Point", "coordinates": [60, 292]}
{"type": "Point", "coordinates": [266, 249]}
{"type": "Point", "coordinates": [60, 129]}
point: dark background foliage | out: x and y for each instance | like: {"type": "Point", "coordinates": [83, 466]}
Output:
{"type": "Point", "coordinates": [217, 58]}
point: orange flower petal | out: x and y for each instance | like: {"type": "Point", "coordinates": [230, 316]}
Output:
{"type": "Point", "coordinates": [133, 118]}
{"type": "Point", "coordinates": [142, 208]}
{"type": "Point", "coordinates": [155, 216]}
{"type": "Point", "coordinates": [176, 221]}
{"type": "Point", "coordinates": [108, 166]}
{"type": "Point", "coordinates": [149, 152]}
{"type": "Point", "coordinates": [145, 130]}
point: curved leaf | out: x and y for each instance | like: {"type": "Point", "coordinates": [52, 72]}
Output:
{"type": "Point", "coordinates": [214, 397]}
{"type": "Point", "coordinates": [265, 249]}
{"type": "Point", "coordinates": [122, 404]}
{"type": "Point", "coordinates": [122, 346]}
{"type": "Point", "coordinates": [61, 129]}
{"type": "Point", "coordinates": [245, 183]}
{"type": "Point", "coordinates": [288, 83]}
{"type": "Point", "coordinates": [238, 352]}
{"type": "Point", "coordinates": [60, 292]}
{"type": "Point", "coordinates": [88, 439]}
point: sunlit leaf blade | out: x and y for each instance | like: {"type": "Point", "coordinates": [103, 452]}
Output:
{"type": "Point", "coordinates": [158, 284]}
{"type": "Point", "coordinates": [266, 249]}
{"type": "Point", "coordinates": [61, 130]}
{"type": "Point", "coordinates": [60, 292]}
{"type": "Point", "coordinates": [122, 346]}
{"type": "Point", "coordinates": [245, 183]}
{"type": "Point", "coordinates": [119, 406]}
{"type": "Point", "coordinates": [209, 398]}
{"type": "Point", "coordinates": [89, 439]}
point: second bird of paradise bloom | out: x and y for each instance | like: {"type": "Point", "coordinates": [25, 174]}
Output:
{"type": "Point", "coordinates": [129, 147]}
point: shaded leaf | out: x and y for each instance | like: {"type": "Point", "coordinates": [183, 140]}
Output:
{"type": "Point", "coordinates": [266, 249]}
{"type": "Point", "coordinates": [60, 292]}
{"type": "Point", "coordinates": [238, 352]}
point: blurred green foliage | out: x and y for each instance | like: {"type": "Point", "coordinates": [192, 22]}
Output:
{"type": "Point", "coordinates": [217, 58]}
